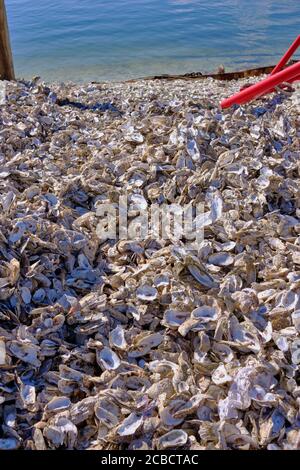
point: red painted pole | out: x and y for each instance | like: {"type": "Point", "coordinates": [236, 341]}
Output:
{"type": "Point", "coordinates": [287, 56]}
{"type": "Point", "coordinates": [287, 75]}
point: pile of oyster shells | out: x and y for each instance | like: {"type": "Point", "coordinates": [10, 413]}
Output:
{"type": "Point", "coordinates": [115, 344]}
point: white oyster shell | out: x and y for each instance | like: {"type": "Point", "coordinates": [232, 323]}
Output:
{"type": "Point", "coordinates": [108, 359]}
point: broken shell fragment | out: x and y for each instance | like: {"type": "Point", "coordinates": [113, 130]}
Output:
{"type": "Point", "coordinates": [173, 318]}
{"type": "Point", "coordinates": [145, 344]}
{"type": "Point", "coordinates": [221, 259]}
{"type": "Point", "coordinates": [2, 353]}
{"type": "Point", "coordinates": [107, 413]}
{"type": "Point", "coordinates": [58, 404]}
{"type": "Point", "coordinates": [146, 293]}
{"type": "Point", "coordinates": [117, 338]}
{"type": "Point", "coordinates": [205, 313]}
{"type": "Point", "coordinates": [172, 439]}
{"type": "Point", "coordinates": [203, 278]}
{"type": "Point", "coordinates": [25, 351]}
{"type": "Point", "coordinates": [220, 375]}
{"type": "Point", "coordinates": [296, 320]}
{"type": "Point", "coordinates": [130, 425]}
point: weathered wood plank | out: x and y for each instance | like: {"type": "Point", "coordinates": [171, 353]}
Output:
{"type": "Point", "coordinates": [255, 72]}
{"type": "Point", "coordinates": [6, 60]}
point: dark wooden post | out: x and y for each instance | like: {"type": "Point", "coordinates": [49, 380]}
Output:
{"type": "Point", "coordinates": [6, 60]}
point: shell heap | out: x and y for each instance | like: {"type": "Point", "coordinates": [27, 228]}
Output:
{"type": "Point", "coordinates": [144, 345]}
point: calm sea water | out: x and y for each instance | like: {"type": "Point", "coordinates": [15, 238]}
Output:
{"type": "Point", "coordinates": [118, 39]}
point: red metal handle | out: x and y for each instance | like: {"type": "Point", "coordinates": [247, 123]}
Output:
{"type": "Point", "coordinates": [287, 56]}
{"type": "Point", "coordinates": [277, 77]}
{"type": "Point", "coordinates": [287, 75]}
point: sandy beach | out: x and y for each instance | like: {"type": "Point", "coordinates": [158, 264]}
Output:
{"type": "Point", "coordinates": [145, 344]}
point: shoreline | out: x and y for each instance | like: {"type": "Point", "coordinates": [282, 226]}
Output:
{"type": "Point", "coordinates": [222, 76]}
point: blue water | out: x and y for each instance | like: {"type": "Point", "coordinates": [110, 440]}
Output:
{"type": "Point", "coordinates": [118, 39]}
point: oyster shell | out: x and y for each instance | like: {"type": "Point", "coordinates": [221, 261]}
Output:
{"type": "Point", "coordinates": [130, 425]}
{"type": "Point", "coordinates": [117, 338]}
{"type": "Point", "coordinates": [146, 293]}
{"type": "Point", "coordinates": [173, 439]}
{"type": "Point", "coordinates": [154, 342]}
{"type": "Point", "coordinates": [108, 359]}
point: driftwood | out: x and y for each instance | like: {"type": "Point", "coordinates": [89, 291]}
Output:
{"type": "Point", "coordinates": [6, 61]}
{"type": "Point", "coordinates": [255, 72]}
